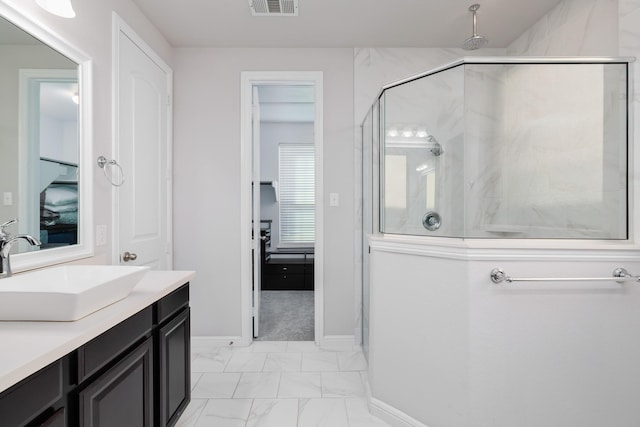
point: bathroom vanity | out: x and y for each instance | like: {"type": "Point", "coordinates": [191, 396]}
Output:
{"type": "Point", "coordinates": [126, 364]}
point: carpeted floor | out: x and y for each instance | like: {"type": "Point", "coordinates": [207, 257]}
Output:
{"type": "Point", "coordinates": [286, 316]}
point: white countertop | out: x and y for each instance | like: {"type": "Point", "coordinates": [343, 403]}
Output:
{"type": "Point", "coordinates": [27, 347]}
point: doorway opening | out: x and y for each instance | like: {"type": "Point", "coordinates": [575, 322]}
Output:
{"type": "Point", "coordinates": [283, 136]}
{"type": "Point", "coordinates": [286, 211]}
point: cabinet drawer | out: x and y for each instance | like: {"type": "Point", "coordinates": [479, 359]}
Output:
{"type": "Point", "coordinates": [103, 349]}
{"type": "Point", "coordinates": [284, 282]}
{"type": "Point", "coordinates": [284, 268]}
{"type": "Point", "coordinates": [32, 396]}
{"type": "Point", "coordinates": [171, 304]}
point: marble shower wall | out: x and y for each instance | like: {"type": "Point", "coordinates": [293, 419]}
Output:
{"type": "Point", "coordinates": [544, 144]}
{"type": "Point", "coordinates": [376, 67]}
{"type": "Point", "coordinates": [424, 178]}
{"type": "Point", "coordinates": [573, 28]}
{"type": "Point", "coordinates": [527, 150]}
{"type": "Point", "coordinates": [629, 33]}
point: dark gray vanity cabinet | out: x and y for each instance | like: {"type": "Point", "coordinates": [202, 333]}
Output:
{"type": "Point", "coordinates": [136, 374]}
{"type": "Point", "coordinates": [38, 400]}
{"type": "Point", "coordinates": [173, 361]}
{"type": "Point", "coordinates": [122, 396]}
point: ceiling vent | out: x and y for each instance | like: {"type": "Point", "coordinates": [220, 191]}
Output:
{"type": "Point", "coordinates": [274, 7]}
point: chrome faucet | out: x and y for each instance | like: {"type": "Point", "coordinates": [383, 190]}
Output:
{"type": "Point", "coordinates": [6, 241]}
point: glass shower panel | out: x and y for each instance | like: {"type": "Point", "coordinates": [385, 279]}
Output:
{"type": "Point", "coordinates": [545, 151]}
{"type": "Point", "coordinates": [367, 221]}
{"type": "Point", "coordinates": [422, 156]}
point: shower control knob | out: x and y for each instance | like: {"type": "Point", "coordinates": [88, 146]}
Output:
{"type": "Point", "coordinates": [127, 256]}
{"type": "Point", "coordinates": [431, 221]}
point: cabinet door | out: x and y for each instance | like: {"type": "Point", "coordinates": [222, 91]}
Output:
{"type": "Point", "coordinates": [122, 396]}
{"type": "Point", "coordinates": [33, 397]}
{"type": "Point", "coordinates": [55, 420]}
{"type": "Point", "coordinates": [174, 364]}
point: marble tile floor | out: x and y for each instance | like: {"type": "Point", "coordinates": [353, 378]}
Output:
{"type": "Point", "coordinates": [279, 384]}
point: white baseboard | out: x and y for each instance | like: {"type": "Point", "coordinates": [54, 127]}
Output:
{"type": "Point", "coordinates": [219, 341]}
{"type": "Point", "coordinates": [331, 342]}
{"type": "Point", "coordinates": [391, 415]}
{"type": "Point", "coordinates": [388, 413]}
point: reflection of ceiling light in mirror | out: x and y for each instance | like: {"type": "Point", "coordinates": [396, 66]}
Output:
{"type": "Point", "coordinates": [392, 132]}
{"type": "Point", "coordinates": [422, 133]}
{"type": "Point", "coordinates": [407, 133]}
{"type": "Point", "coordinates": [424, 169]}
{"type": "Point", "coordinates": [61, 8]}
{"type": "Point", "coordinates": [75, 98]}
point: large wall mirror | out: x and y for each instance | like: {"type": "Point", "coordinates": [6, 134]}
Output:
{"type": "Point", "coordinates": [45, 179]}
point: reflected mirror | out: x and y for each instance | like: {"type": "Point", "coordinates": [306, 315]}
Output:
{"type": "Point", "coordinates": [41, 106]}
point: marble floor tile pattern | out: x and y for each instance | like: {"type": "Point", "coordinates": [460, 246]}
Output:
{"type": "Point", "coordinates": [277, 383]}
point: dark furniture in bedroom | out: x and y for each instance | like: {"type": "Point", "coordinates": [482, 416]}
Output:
{"type": "Point", "coordinates": [58, 203]}
{"type": "Point", "coordinates": [288, 270]}
{"type": "Point", "coordinates": [284, 269]}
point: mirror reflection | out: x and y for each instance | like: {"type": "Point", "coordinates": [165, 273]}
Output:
{"type": "Point", "coordinates": [39, 140]}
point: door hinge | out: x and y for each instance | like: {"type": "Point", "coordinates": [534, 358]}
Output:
{"type": "Point", "coordinates": [169, 100]}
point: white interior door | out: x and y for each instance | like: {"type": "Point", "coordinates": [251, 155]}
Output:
{"type": "Point", "coordinates": [255, 215]}
{"type": "Point", "coordinates": [143, 150]}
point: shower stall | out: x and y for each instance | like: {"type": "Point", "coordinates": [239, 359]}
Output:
{"type": "Point", "coordinates": [522, 163]}
{"type": "Point", "coordinates": [506, 150]}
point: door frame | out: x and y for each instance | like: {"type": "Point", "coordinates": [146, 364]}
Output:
{"type": "Point", "coordinates": [120, 26]}
{"type": "Point", "coordinates": [248, 80]}
{"type": "Point", "coordinates": [30, 80]}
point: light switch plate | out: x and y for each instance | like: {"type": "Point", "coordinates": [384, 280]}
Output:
{"type": "Point", "coordinates": [8, 198]}
{"type": "Point", "coordinates": [101, 235]}
{"type": "Point", "coordinates": [334, 199]}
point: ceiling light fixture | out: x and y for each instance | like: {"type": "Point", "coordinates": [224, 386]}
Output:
{"type": "Point", "coordinates": [60, 8]}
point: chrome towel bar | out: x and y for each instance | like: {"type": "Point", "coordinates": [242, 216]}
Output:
{"type": "Point", "coordinates": [619, 275]}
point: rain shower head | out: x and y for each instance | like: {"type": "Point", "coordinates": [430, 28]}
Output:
{"type": "Point", "coordinates": [475, 41]}
{"type": "Point", "coordinates": [436, 150]}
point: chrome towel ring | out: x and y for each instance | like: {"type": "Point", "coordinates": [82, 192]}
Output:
{"type": "Point", "coordinates": [103, 162]}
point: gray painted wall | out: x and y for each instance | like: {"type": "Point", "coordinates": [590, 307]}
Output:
{"type": "Point", "coordinates": [207, 179]}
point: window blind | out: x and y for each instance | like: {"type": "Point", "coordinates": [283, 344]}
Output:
{"type": "Point", "coordinates": [296, 163]}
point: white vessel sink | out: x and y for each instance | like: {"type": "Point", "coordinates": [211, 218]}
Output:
{"type": "Point", "coordinates": [65, 293]}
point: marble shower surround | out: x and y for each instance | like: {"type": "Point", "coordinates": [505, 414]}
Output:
{"type": "Point", "coordinates": [545, 37]}
{"type": "Point", "coordinates": [528, 149]}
